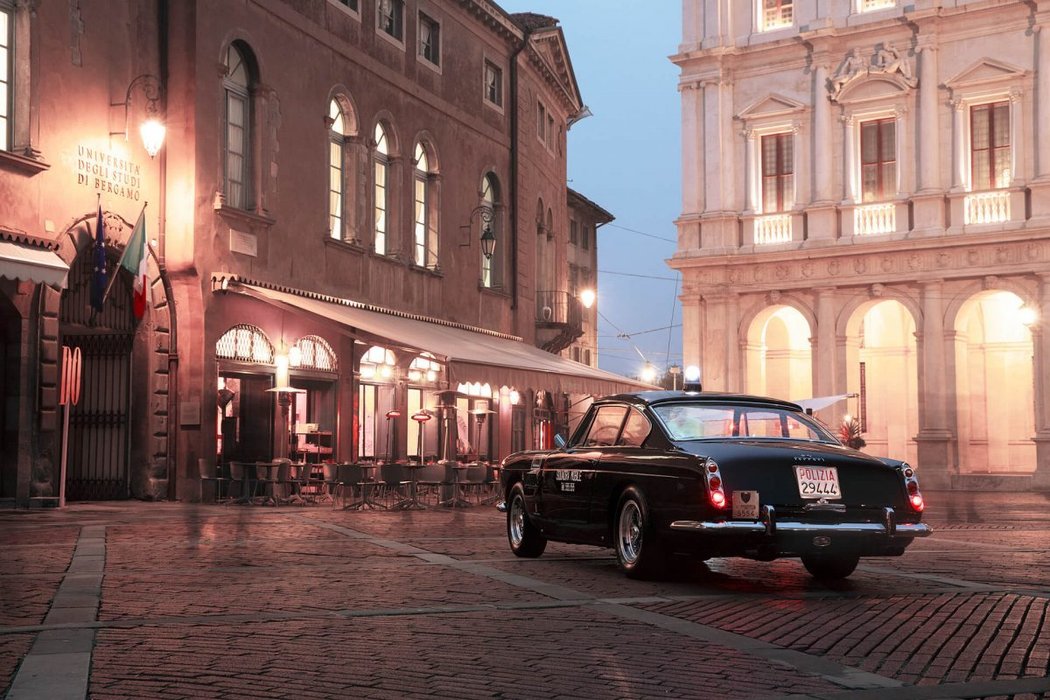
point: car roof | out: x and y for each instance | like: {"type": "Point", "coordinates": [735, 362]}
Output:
{"type": "Point", "coordinates": [651, 398]}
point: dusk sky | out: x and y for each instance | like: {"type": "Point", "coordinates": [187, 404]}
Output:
{"type": "Point", "coordinates": [627, 158]}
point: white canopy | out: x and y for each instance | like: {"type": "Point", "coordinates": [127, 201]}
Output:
{"type": "Point", "coordinates": [472, 355]}
{"type": "Point", "coordinates": [19, 261]}
{"type": "Point", "coordinates": [820, 402]}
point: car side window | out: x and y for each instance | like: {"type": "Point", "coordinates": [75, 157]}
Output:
{"type": "Point", "coordinates": [635, 430]}
{"type": "Point", "coordinates": [605, 426]}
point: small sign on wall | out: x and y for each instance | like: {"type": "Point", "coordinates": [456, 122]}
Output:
{"type": "Point", "coordinates": [189, 413]}
{"type": "Point", "coordinates": [243, 243]}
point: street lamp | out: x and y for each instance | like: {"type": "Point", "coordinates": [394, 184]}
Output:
{"type": "Point", "coordinates": [587, 298]}
{"type": "Point", "coordinates": [152, 129]}
{"type": "Point", "coordinates": [692, 379]}
{"type": "Point", "coordinates": [648, 373]}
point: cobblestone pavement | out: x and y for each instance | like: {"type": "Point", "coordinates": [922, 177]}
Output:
{"type": "Point", "coordinates": [162, 600]}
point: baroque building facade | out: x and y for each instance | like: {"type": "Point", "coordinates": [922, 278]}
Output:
{"type": "Point", "coordinates": [355, 217]}
{"type": "Point", "coordinates": [866, 214]}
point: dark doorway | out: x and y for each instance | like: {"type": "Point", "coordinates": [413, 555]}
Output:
{"type": "Point", "coordinates": [10, 399]}
{"type": "Point", "coordinates": [245, 417]}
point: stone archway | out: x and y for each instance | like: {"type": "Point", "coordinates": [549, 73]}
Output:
{"type": "Point", "coordinates": [778, 355]}
{"type": "Point", "coordinates": [882, 369]}
{"type": "Point", "coordinates": [994, 386]}
{"type": "Point", "coordinates": [152, 354]}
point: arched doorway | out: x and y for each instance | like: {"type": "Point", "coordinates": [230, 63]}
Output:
{"type": "Point", "coordinates": [97, 466]}
{"type": "Point", "coordinates": [994, 385]}
{"type": "Point", "coordinates": [11, 368]}
{"type": "Point", "coordinates": [882, 369]}
{"type": "Point", "coordinates": [778, 355]}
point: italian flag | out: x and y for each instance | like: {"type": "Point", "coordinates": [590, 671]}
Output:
{"type": "Point", "coordinates": [134, 261]}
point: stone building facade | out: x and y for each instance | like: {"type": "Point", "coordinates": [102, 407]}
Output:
{"type": "Point", "coordinates": [332, 174]}
{"type": "Point", "coordinates": [866, 212]}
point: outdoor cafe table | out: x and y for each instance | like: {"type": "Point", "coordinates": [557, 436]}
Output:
{"type": "Point", "coordinates": [368, 484]}
{"type": "Point", "coordinates": [412, 502]}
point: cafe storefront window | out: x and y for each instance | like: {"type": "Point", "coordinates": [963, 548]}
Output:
{"type": "Point", "coordinates": [376, 404]}
{"type": "Point", "coordinates": [424, 376]}
{"type": "Point", "coordinates": [314, 368]}
{"type": "Point", "coordinates": [244, 422]}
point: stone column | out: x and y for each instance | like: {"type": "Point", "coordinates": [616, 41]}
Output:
{"type": "Point", "coordinates": [824, 347]}
{"type": "Point", "coordinates": [930, 152]}
{"type": "Point", "coordinates": [1042, 136]}
{"type": "Point", "coordinates": [711, 146]}
{"type": "Point", "coordinates": [752, 172]}
{"type": "Point", "coordinates": [1041, 369]}
{"type": "Point", "coordinates": [693, 180]}
{"type": "Point", "coordinates": [1016, 137]}
{"type": "Point", "coordinates": [821, 141]}
{"type": "Point", "coordinates": [960, 157]}
{"type": "Point", "coordinates": [934, 437]}
{"type": "Point", "coordinates": [1040, 185]}
{"type": "Point", "coordinates": [714, 366]}
{"type": "Point", "coordinates": [849, 151]}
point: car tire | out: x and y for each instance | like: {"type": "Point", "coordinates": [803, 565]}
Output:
{"type": "Point", "coordinates": [525, 540]}
{"type": "Point", "coordinates": [830, 567]}
{"type": "Point", "coordinates": [637, 551]}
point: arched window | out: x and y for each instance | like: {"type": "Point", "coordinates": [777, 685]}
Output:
{"type": "Point", "coordinates": [313, 352]}
{"type": "Point", "coordinates": [237, 134]}
{"type": "Point", "coordinates": [336, 178]}
{"type": "Point", "coordinates": [378, 364]}
{"type": "Point", "coordinates": [245, 343]}
{"type": "Point", "coordinates": [424, 369]}
{"type": "Point", "coordinates": [492, 268]}
{"type": "Point", "coordinates": [425, 235]}
{"type": "Point", "coordinates": [382, 171]}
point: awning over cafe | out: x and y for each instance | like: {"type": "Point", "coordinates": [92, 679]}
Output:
{"type": "Point", "coordinates": [472, 355]}
{"type": "Point", "coordinates": [31, 263]}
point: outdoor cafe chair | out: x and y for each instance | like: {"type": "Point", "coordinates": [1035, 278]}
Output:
{"type": "Point", "coordinates": [244, 475]}
{"type": "Point", "coordinates": [392, 483]}
{"type": "Point", "coordinates": [210, 474]}
{"type": "Point", "coordinates": [474, 479]}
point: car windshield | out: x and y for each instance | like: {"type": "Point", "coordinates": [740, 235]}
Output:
{"type": "Point", "coordinates": [696, 421]}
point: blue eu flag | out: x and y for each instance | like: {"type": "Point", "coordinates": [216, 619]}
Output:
{"type": "Point", "coordinates": [98, 276]}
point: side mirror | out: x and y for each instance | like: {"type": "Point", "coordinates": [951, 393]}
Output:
{"type": "Point", "coordinates": [559, 441]}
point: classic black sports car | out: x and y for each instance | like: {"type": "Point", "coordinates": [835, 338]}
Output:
{"type": "Point", "coordinates": [713, 475]}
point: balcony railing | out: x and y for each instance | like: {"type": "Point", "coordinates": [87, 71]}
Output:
{"type": "Point", "coordinates": [987, 207]}
{"type": "Point", "coordinates": [773, 229]}
{"type": "Point", "coordinates": [558, 308]}
{"type": "Point", "coordinates": [872, 219]}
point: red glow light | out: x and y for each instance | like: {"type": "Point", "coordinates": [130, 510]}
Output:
{"type": "Point", "coordinates": [714, 482]}
{"type": "Point", "coordinates": [718, 498]}
{"type": "Point", "coordinates": [916, 503]}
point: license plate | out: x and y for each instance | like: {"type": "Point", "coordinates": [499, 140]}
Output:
{"type": "Point", "coordinates": [745, 505]}
{"type": "Point", "coordinates": [818, 482]}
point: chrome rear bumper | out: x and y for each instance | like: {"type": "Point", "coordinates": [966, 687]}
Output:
{"type": "Point", "coordinates": [769, 525]}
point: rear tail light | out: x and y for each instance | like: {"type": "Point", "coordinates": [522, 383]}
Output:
{"type": "Point", "coordinates": [911, 484]}
{"type": "Point", "coordinates": [715, 493]}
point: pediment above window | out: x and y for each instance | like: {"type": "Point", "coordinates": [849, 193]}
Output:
{"type": "Point", "coordinates": [871, 88]}
{"type": "Point", "coordinates": [771, 105]}
{"type": "Point", "coordinates": [985, 71]}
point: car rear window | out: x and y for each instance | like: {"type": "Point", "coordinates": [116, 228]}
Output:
{"type": "Point", "coordinates": [698, 422]}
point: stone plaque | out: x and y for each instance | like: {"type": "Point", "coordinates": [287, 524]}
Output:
{"type": "Point", "coordinates": [243, 243]}
{"type": "Point", "coordinates": [189, 413]}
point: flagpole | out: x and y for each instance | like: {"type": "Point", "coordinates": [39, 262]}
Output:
{"type": "Point", "coordinates": [113, 278]}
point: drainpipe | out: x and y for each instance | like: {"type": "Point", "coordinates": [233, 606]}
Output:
{"type": "Point", "coordinates": [514, 169]}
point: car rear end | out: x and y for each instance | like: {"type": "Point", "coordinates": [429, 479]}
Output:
{"type": "Point", "coordinates": [771, 498]}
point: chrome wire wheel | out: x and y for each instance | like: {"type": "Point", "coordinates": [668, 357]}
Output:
{"type": "Point", "coordinates": [630, 532]}
{"type": "Point", "coordinates": [524, 538]}
{"type": "Point", "coordinates": [517, 521]}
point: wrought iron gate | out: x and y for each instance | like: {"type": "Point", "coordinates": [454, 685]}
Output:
{"type": "Point", "coordinates": [99, 424]}
{"type": "Point", "coordinates": [97, 466]}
